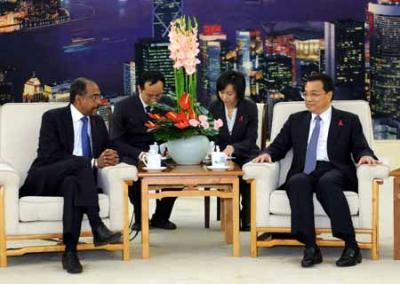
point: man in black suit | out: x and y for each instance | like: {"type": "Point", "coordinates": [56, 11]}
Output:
{"type": "Point", "coordinates": [132, 139]}
{"type": "Point", "coordinates": [323, 140]}
{"type": "Point", "coordinates": [73, 143]}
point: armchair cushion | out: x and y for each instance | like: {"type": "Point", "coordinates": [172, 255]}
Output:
{"type": "Point", "coordinates": [49, 208]}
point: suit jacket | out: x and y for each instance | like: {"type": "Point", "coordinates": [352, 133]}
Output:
{"type": "Point", "coordinates": [345, 140]}
{"type": "Point", "coordinates": [244, 132]}
{"type": "Point", "coordinates": [128, 132]}
{"type": "Point", "coordinates": [56, 140]}
{"type": "Point", "coordinates": [56, 144]}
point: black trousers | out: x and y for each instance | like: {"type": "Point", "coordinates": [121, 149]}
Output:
{"type": "Point", "coordinates": [244, 191]}
{"type": "Point", "coordinates": [74, 179]}
{"type": "Point", "coordinates": [163, 206]}
{"type": "Point", "coordinates": [328, 183]}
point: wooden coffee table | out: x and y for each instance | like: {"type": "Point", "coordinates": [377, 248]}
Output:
{"type": "Point", "coordinates": [396, 217]}
{"type": "Point", "coordinates": [191, 181]}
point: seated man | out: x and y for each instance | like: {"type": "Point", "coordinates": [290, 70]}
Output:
{"type": "Point", "coordinates": [73, 143]}
{"type": "Point", "coordinates": [132, 139]}
{"type": "Point", "coordinates": [323, 140]}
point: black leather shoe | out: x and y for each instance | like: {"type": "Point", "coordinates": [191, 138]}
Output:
{"type": "Point", "coordinates": [103, 236]}
{"type": "Point", "coordinates": [350, 257]}
{"type": "Point", "coordinates": [167, 225]}
{"type": "Point", "coordinates": [264, 237]}
{"type": "Point", "coordinates": [70, 262]}
{"type": "Point", "coordinates": [245, 227]}
{"type": "Point", "coordinates": [136, 227]}
{"type": "Point", "coordinates": [311, 257]}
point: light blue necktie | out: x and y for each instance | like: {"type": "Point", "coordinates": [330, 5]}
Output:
{"type": "Point", "coordinates": [311, 155]}
{"type": "Point", "coordinates": [85, 139]}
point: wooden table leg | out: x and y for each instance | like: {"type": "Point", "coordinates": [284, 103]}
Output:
{"type": "Point", "coordinates": [222, 213]}
{"type": "Point", "coordinates": [228, 218]}
{"type": "Point", "coordinates": [145, 220]}
{"type": "Point", "coordinates": [3, 241]}
{"type": "Point", "coordinates": [235, 217]}
{"type": "Point", "coordinates": [396, 219]}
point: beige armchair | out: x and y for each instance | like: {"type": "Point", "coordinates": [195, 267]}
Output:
{"type": "Point", "coordinates": [271, 209]}
{"type": "Point", "coordinates": [33, 217]}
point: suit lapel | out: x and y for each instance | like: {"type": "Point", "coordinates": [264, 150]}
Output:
{"type": "Point", "coordinates": [94, 136]}
{"type": "Point", "coordinates": [238, 119]}
{"type": "Point", "coordinates": [67, 120]}
{"type": "Point", "coordinates": [303, 133]}
{"type": "Point", "coordinates": [333, 130]}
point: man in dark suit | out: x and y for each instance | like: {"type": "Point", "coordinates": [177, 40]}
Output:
{"type": "Point", "coordinates": [324, 141]}
{"type": "Point", "coordinates": [132, 139]}
{"type": "Point", "coordinates": [73, 143]}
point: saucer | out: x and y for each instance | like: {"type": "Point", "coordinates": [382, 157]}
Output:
{"type": "Point", "coordinates": [218, 168]}
{"type": "Point", "coordinates": [154, 169]}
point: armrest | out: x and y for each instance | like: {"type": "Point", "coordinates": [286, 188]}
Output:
{"type": "Point", "coordinates": [10, 180]}
{"type": "Point", "coordinates": [266, 176]}
{"type": "Point", "coordinates": [365, 175]}
{"type": "Point", "coordinates": [112, 181]}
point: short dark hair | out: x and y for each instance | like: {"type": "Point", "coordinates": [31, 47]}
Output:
{"type": "Point", "coordinates": [78, 88]}
{"type": "Point", "coordinates": [152, 77]}
{"type": "Point", "coordinates": [234, 78]}
{"type": "Point", "coordinates": [326, 80]}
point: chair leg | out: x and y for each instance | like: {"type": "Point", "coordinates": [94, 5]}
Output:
{"type": "Point", "coordinates": [375, 220]}
{"type": "Point", "coordinates": [3, 241]}
{"type": "Point", "coordinates": [126, 253]}
{"type": "Point", "coordinates": [253, 227]}
{"type": "Point", "coordinates": [206, 211]}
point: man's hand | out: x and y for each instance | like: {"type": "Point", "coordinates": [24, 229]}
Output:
{"type": "Point", "coordinates": [263, 158]}
{"type": "Point", "coordinates": [229, 150]}
{"type": "Point", "coordinates": [108, 158]}
{"type": "Point", "coordinates": [368, 160]}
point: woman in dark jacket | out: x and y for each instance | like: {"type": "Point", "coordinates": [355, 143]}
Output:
{"type": "Point", "coordinates": [238, 136]}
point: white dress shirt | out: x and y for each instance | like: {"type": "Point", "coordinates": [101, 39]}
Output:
{"type": "Point", "coordinates": [143, 103]}
{"type": "Point", "coordinates": [230, 121]}
{"type": "Point", "coordinates": [77, 123]}
{"type": "Point", "coordinates": [322, 147]}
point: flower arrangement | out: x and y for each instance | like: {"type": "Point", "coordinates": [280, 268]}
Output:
{"type": "Point", "coordinates": [185, 117]}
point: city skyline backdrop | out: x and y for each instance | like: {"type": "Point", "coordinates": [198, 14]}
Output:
{"type": "Point", "coordinates": [275, 43]}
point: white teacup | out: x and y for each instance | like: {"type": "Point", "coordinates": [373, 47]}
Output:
{"type": "Point", "coordinates": [153, 149]}
{"type": "Point", "coordinates": [218, 159]}
{"type": "Point", "coordinates": [152, 161]}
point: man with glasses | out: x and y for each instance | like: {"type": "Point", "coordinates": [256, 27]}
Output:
{"type": "Point", "coordinates": [133, 140]}
{"type": "Point", "coordinates": [324, 141]}
{"type": "Point", "coordinates": [73, 144]}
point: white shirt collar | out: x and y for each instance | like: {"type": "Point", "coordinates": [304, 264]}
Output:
{"type": "Point", "coordinates": [143, 103]}
{"type": "Point", "coordinates": [325, 116]}
{"type": "Point", "coordinates": [76, 114]}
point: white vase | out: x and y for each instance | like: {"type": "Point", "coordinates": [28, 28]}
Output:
{"type": "Point", "coordinates": [188, 151]}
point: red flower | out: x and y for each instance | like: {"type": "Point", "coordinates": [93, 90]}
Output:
{"type": "Point", "coordinates": [182, 124]}
{"type": "Point", "coordinates": [192, 114]}
{"type": "Point", "coordinates": [154, 116]}
{"type": "Point", "coordinates": [150, 125]}
{"type": "Point", "coordinates": [184, 101]}
{"type": "Point", "coordinates": [182, 117]}
{"type": "Point", "coordinates": [172, 115]}
{"type": "Point", "coordinates": [240, 119]}
{"type": "Point", "coordinates": [340, 123]}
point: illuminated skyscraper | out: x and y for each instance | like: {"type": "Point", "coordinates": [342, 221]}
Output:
{"type": "Point", "coordinates": [152, 55]}
{"type": "Point", "coordinates": [251, 61]}
{"type": "Point", "coordinates": [212, 42]}
{"type": "Point", "coordinates": [129, 78]}
{"type": "Point", "coordinates": [384, 33]}
{"type": "Point", "coordinates": [164, 12]}
{"type": "Point", "coordinates": [345, 56]}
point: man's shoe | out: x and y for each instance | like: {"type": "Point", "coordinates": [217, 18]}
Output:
{"type": "Point", "coordinates": [136, 227]}
{"type": "Point", "coordinates": [167, 225]}
{"type": "Point", "coordinates": [70, 262]}
{"type": "Point", "coordinates": [350, 257]}
{"type": "Point", "coordinates": [103, 236]}
{"type": "Point", "coordinates": [245, 227]}
{"type": "Point", "coordinates": [311, 257]}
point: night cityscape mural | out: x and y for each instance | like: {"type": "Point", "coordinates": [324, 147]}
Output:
{"type": "Point", "coordinates": [44, 44]}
